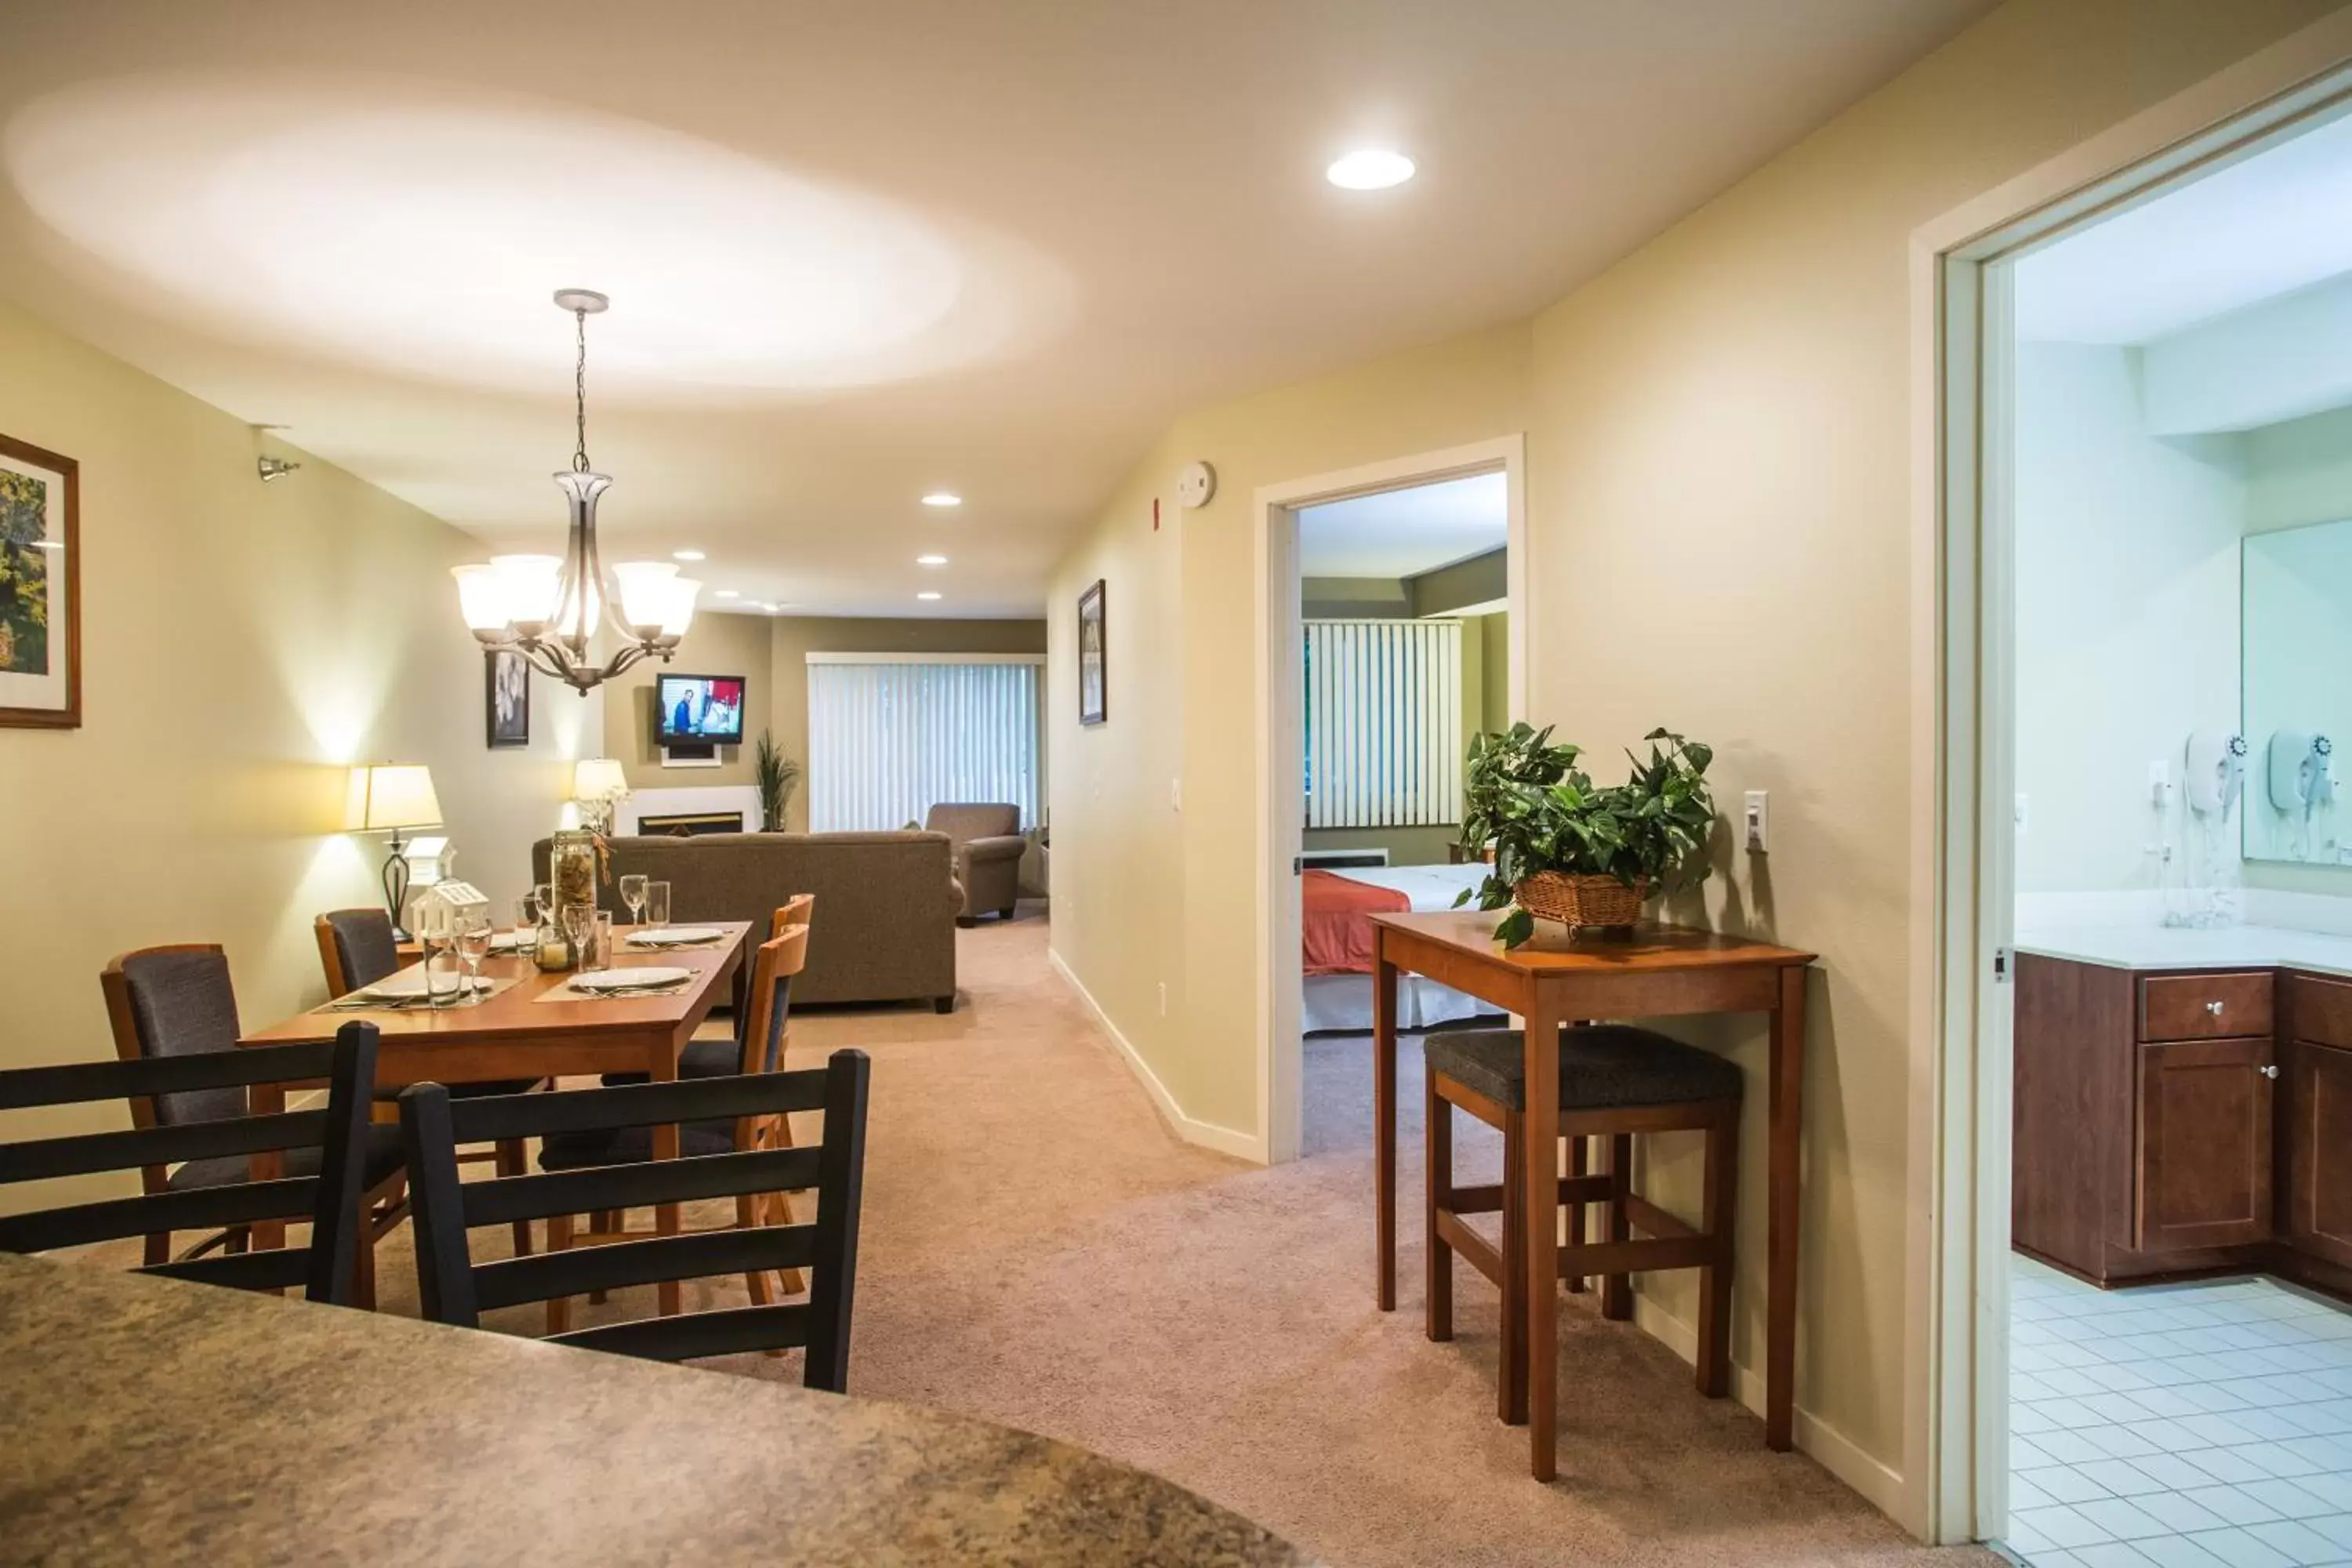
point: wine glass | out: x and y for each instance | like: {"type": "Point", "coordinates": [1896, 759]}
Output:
{"type": "Point", "coordinates": [473, 943]}
{"type": "Point", "coordinates": [580, 930]}
{"type": "Point", "coordinates": [633, 893]}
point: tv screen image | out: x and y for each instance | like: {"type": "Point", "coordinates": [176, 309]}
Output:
{"type": "Point", "coordinates": [700, 708]}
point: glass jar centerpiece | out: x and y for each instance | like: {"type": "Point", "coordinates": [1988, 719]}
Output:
{"type": "Point", "coordinates": [573, 864]}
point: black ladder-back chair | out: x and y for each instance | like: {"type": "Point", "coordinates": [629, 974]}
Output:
{"type": "Point", "coordinates": [177, 1001]}
{"type": "Point", "coordinates": [328, 1201]}
{"type": "Point", "coordinates": [456, 1289]}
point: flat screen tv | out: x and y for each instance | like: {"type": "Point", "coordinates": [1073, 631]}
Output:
{"type": "Point", "coordinates": [699, 709]}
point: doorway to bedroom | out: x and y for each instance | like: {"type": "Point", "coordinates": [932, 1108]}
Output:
{"type": "Point", "coordinates": [1391, 641]}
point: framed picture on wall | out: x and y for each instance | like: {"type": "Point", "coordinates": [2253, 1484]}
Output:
{"type": "Point", "coordinates": [505, 697]}
{"type": "Point", "coordinates": [40, 588]}
{"type": "Point", "coordinates": [1094, 692]}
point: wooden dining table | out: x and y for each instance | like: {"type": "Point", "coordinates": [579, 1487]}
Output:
{"type": "Point", "coordinates": [533, 1026]}
{"type": "Point", "coordinates": [1557, 978]}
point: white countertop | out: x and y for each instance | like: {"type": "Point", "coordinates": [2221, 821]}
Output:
{"type": "Point", "coordinates": [2165, 947]}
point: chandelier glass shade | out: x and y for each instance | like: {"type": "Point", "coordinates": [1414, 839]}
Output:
{"type": "Point", "coordinates": [548, 608]}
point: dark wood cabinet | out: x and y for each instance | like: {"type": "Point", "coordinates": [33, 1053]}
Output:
{"type": "Point", "coordinates": [2204, 1157]}
{"type": "Point", "coordinates": [2182, 1122]}
{"type": "Point", "coordinates": [2318, 1142]}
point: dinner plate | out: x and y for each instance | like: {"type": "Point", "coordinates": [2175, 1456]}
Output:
{"type": "Point", "coordinates": [408, 986]}
{"type": "Point", "coordinates": [673, 936]}
{"type": "Point", "coordinates": [640, 978]}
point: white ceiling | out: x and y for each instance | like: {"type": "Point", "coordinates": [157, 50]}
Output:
{"type": "Point", "coordinates": [2266, 226]}
{"type": "Point", "coordinates": [857, 252]}
{"type": "Point", "coordinates": [1399, 533]}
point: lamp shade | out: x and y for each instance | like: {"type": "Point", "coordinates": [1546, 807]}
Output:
{"type": "Point", "coordinates": [597, 778]}
{"type": "Point", "coordinates": [390, 797]}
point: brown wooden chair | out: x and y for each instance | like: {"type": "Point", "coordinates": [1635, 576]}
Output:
{"type": "Point", "coordinates": [759, 1049]}
{"type": "Point", "coordinates": [177, 1002]}
{"type": "Point", "coordinates": [359, 947]}
{"type": "Point", "coordinates": [1615, 1082]}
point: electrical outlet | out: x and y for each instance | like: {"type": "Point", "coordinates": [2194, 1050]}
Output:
{"type": "Point", "coordinates": [1757, 817]}
{"type": "Point", "coordinates": [2159, 782]}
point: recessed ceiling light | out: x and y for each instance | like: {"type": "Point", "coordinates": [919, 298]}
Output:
{"type": "Point", "coordinates": [1370, 169]}
{"type": "Point", "coordinates": [926, 596]}
{"type": "Point", "coordinates": [943, 498]}
{"type": "Point", "coordinates": [725, 594]}
{"type": "Point", "coordinates": [686, 555]}
{"type": "Point", "coordinates": [931, 559]}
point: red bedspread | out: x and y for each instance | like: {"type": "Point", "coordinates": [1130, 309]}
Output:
{"type": "Point", "coordinates": [1332, 911]}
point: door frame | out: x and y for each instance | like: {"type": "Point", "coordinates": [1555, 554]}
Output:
{"type": "Point", "coordinates": [1280, 734]}
{"type": "Point", "coordinates": [1962, 826]}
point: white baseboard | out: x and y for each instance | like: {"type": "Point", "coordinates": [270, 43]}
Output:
{"type": "Point", "coordinates": [1879, 1486]}
{"type": "Point", "coordinates": [1207, 1134]}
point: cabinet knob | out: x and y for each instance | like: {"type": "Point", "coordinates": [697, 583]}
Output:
{"type": "Point", "coordinates": [2214, 1008]}
{"type": "Point", "coordinates": [2269, 1070]}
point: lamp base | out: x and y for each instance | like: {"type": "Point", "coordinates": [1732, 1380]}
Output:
{"type": "Point", "coordinates": [396, 886]}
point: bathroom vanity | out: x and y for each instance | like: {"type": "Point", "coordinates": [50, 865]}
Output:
{"type": "Point", "coordinates": [2182, 1104]}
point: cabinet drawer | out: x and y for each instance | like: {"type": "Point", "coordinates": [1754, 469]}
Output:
{"type": "Point", "coordinates": [2317, 1009]}
{"type": "Point", "coordinates": [2204, 1006]}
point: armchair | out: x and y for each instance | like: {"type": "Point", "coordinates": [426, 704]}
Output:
{"type": "Point", "coordinates": [988, 844]}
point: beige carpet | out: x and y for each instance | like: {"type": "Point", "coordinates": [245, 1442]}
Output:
{"type": "Point", "coordinates": [1039, 1250]}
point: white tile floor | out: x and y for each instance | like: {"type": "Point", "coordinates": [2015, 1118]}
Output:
{"type": "Point", "coordinates": [2183, 1425]}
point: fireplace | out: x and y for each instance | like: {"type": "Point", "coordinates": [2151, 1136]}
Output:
{"type": "Point", "coordinates": [689, 824]}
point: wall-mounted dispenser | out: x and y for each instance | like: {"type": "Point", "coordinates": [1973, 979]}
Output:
{"type": "Point", "coordinates": [2215, 775]}
{"type": "Point", "coordinates": [2301, 776]}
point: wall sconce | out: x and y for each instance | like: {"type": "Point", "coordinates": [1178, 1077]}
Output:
{"type": "Point", "coordinates": [271, 469]}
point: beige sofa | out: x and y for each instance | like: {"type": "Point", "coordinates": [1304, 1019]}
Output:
{"type": "Point", "coordinates": [886, 903]}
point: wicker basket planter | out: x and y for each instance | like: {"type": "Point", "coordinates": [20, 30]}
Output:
{"type": "Point", "coordinates": [1581, 901]}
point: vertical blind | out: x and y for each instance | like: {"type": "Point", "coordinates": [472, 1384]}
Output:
{"type": "Point", "coordinates": [889, 740]}
{"type": "Point", "coordinates": [1383, 723]}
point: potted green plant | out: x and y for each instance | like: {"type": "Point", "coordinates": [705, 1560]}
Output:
{"type": "Point", "coordinates": [1567, 849]}
{"type": "Point", "coordinates": [775, 775]}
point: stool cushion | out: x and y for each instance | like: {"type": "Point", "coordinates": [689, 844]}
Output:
{"type": "Point", "coordinates": [1603, 1066]}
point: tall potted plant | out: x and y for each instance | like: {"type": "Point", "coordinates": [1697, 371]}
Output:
{"type": "Point", "coordinates": [775, 775]}
{"type": "Point", "coordinates": [1567, 849]}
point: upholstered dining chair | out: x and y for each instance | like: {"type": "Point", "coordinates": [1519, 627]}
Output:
{"type": "Point", "coordinates": [759, 1049]}
{"type": "Point", "coordinates": [174, 1002]}
{"type": "Point", "coordinates": [356, 947]}
{"type": "Point", "coordinates": [988, 847]}
{"type": "Point", "coordinates": [324, 1152]}
{"type": "Point", "coordinates": [456, 1289]}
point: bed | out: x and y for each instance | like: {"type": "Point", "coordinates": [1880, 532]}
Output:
{"type": "Point", "coordinates": [1335, 930]}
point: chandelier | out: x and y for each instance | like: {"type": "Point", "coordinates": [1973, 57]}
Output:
{"type": "Point", "coordinates": [548, 609]}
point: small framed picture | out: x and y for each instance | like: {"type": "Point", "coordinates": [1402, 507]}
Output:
{"type": "Point", "coordinates": [1093, 687]}
{"type": "Point", "coordinates": [40, 588]}
{"type": "Point", "coordinates": [506, 697]}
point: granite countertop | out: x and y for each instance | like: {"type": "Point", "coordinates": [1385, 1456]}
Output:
{"type": "Point", "coordinates": [160, 1421]}
{"type": "Point", "coordinates": [2169, 947]}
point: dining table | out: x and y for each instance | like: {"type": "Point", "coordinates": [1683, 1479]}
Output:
{"type": "Point", "coordinates": [160, 1421]}
{"type": "Point", "coordinates": [533, 1024]}
{"type": "Point", "coordinates": [1562, 976]}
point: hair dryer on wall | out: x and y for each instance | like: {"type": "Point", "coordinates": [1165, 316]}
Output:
{"type": "Point", "coordinates": [2215, 775]}
{"type": "Point", "coordinates": [2301, 776]}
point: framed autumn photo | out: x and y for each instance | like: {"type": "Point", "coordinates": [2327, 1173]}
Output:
{"type": "Point", "coordinates": [40, 588]}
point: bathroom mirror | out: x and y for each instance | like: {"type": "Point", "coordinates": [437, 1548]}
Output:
{"type": "Point", "coordinates": [2297, 631]}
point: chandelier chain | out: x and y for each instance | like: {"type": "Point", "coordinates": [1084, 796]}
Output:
{"type": "Point", "coordinates": [580, 395]}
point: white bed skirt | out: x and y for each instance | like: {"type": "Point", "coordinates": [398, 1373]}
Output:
{"type": "Point", "coordinates": [1345, 1001]}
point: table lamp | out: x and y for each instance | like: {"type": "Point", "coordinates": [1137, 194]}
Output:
{"type": "Point", "coordinates": [597, 784]}
{"type": "Point", "coordinates": [393, 797]}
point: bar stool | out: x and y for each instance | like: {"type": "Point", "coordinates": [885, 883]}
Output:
{"type": "Point", "coordinates": [1614, 1082]}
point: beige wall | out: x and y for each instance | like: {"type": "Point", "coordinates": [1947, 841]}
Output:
{"type": "Point", "coordinates": [714, 645]}
{"type": "Point", "coordinates": [1720, 485]}
{"type": "Point", "coordinates": [244, 644]}
{"type": "Point", "coordinates": [794, 638]}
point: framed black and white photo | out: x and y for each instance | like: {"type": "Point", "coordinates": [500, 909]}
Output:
{"type": "Point", "coordinates": [40, 588]}
{"type": "Point", "coordinates": [1094, 686]}
{"type": "Point", "coordinates": [506, 697]}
